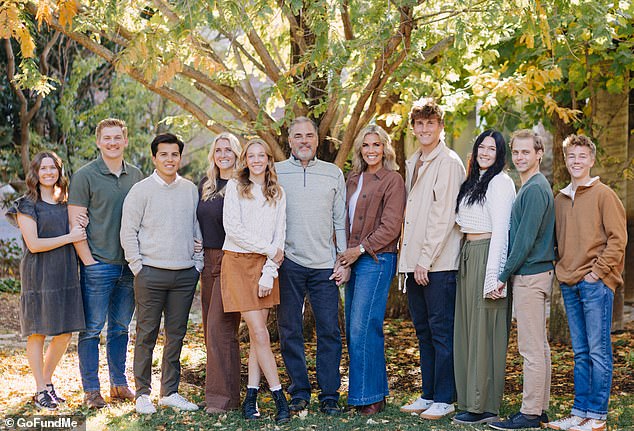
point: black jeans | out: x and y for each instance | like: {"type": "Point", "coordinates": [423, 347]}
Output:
{"type": "Point", "coordinates": [161, 292]}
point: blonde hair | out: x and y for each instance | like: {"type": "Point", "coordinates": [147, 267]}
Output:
{"type": "Point", "coordinates": [213, 172]}
{"type": "Point", "coordinates": [538, 143]}
{"type": "Point", "coordinates": [579, 141]}
{"type": "Point", "coordinates": [271, 189]}
{"type": "Point", "coordinates": [111, 122]}
{"type": "Point", "coordinates": [389, 155]}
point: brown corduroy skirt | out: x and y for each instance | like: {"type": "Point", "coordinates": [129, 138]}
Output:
{"type": "Point", "coordinates": [239, 279]}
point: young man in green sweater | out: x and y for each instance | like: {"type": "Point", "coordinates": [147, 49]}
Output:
{"type": "Point", "coordinates": [530, 269]}
{"type": "Point", "coordinates": [158, 230]}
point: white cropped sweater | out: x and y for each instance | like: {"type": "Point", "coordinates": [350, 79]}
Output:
{"type": "Point", "coordinates": [493, 216]}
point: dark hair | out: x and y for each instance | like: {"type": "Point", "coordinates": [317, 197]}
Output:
{"type": "Point", "coordinates": [33, 176]}
{"type": "Point", "coordinates": [474, 188]}
{"type": "Point", "coordinates": [166, 138]}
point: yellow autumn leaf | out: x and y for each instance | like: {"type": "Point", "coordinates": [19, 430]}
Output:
{"type": "Point", "coordinates": [27, 46]}
{"type": "Point", "coordinates": [9, 20]}
{"type": "Point", "coordinates": [528, 40]}
{"type": "Point", "coordinates": [67, 11]}
{"type": "Point", "coordinates": [168, 72]}
{"type": "Point", "coordinates": [44, 13]}
{"type": "Point", "coordinates": [5, 25]}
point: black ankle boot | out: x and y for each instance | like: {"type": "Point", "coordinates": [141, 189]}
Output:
{"type": "Point", "coordinates": [283, 414]}
{"type": "Point", "coordinates": [250, 405]}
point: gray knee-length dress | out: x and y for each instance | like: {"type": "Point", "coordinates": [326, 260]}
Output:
{"type": "Point", "coordinates": [50, 300]}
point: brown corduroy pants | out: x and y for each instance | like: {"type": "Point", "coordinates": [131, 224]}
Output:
{"type": "Point", "coordinates": [222, 381]}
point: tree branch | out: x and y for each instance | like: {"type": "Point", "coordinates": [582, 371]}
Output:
{"type": "Point", "coordinates": [272, 71]}
{"type": "Point", "coordinates": [384, 65]}
{"type": "Point", "coordinates": [345, 19]}
{"type": "Point", "coordinates": [11, 72]}
{"type": "Point", "coordinates": [295, 31]}
{"type": "Point", "coordinates": [224, 105]}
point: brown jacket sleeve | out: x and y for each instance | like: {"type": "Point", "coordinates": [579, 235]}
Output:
{"type": "Point", "coordinates": [615, 226]}
{"type": "Point", "coordinates": [391, 221]}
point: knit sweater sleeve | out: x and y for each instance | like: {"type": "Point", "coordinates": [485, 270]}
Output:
{"type": "Point", "coordinates": [499, 201]}
{"type": "Point", "coordinates": [533, 205]}
{"type": "Point", "coordinates": [199, 259]}
{"type": "Point", "coordinates": [339, 213]}
{"type": "Point", "coordinates": [131, 217]}
{"type": "Point", "coordinates": [269, 270]}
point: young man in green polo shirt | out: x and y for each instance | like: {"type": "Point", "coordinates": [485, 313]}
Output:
{"type": "Point", "coordinates": [98, 190]}
{"type": "Point", "coordinates": [530, 269]}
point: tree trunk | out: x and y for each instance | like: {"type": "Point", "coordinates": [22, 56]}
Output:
{"type": "Point", "coordinates": [610, 129]}
{"type": "Point", "coordinates": [558, 322]}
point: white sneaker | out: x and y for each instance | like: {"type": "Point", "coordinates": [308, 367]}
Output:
{"type": "Point", "coordinates": [438, 411]}
{"type": "Point", "coordinates": [144, 405]}
{"type": "Point", "coordinates": [176, 401]}
{"type": "Point", "coordinates": [567, 422]}
{"type": "Point", "coordinates": [590, 425]}
{"type": "Point", "coordinates": [418, 406]}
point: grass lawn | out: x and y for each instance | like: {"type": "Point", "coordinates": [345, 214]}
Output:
{"type": "Point", "coordinates": [402, 358]}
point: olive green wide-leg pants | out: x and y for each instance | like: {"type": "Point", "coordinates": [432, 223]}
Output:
{"type": "Point", "coordinates": [481, 331]}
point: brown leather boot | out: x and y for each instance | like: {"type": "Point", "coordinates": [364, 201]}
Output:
{"type": "Point", "coordinates": [373, 408]}
{"type": "Point", "coordinates": [94, 400]}
{"type": "Point", "coordinates": [121, 393]}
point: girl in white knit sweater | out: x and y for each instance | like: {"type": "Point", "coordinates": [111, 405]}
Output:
{"type": "Point", "coordinates": [254, 218]}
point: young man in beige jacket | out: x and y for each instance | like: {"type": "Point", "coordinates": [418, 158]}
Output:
{"type": "Point", "coordinates": [429, 257]}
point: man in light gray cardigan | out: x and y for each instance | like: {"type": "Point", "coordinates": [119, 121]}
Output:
{"type": "Point", "coordinates": [315, 233]}
{"type": "Point", "coordinates": [158, 228]}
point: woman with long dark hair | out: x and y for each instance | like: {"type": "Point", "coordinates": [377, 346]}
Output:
{"type": "Point", "coordinates": [254, 218]}
{"type": "Point", "coordinates": [50, 299]}
{"type": "Point", "coordinates": [481, 322]}
{"type": "Point", "coordinates": [222, 378]}
{"type": "Point", "coordinates": [376, 204]}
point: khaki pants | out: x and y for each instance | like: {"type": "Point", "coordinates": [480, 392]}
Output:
{"type": "Point", "coordinates": [531, 294]}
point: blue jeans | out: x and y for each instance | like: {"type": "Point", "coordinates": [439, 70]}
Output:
{"type": "Point", "coordinates": [296, 282]}
{"type": "Point", "coordinates": [108, 292]}
{"type": "Point", "coordinates": [589, 310]}
{"type": "Point", "coordinates": [432, 309]}
{"type": "Point", "coordinates": [366, 299]}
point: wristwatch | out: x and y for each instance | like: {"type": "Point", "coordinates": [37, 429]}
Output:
{"type": "Point", "coordinates": [361, 248]}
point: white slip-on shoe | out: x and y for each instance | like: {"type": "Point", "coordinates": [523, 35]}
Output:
{"type": "Point", "coordinates": [438, 411]}
{"type": "Point", "coordinates": [144, 405]}
{"type": "Point", "coordinates": [567, 422]}
{"type": "Point", "coordinates": [590, 425]}
{"type": "Point", "coordinates": [418, 406]}
{"type": "Point", "coordinates": [177, 401]}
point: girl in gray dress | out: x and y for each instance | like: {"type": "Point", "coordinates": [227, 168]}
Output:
{"type": "Point", "coordinates": [50, 300]}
